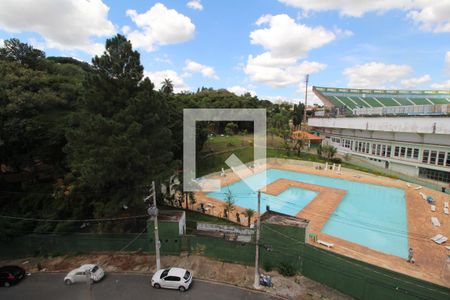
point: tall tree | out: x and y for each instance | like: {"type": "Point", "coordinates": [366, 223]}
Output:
{"type": "Point", "coordinates": [119, 141]}
{"type": "Point", "coordinates": [297, 114]}
{"type": "Point", "coordinates": [23, 53]}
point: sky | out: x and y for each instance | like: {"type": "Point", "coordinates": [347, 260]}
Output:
{"type": "Point", "coordinates": [264, 47]}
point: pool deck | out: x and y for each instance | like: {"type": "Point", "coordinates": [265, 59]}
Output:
{"type": "Point", "coordinates": [430, 258]}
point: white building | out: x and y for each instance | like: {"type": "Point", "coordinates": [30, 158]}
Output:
{"type": "Point", "coordinates": [380, 127]}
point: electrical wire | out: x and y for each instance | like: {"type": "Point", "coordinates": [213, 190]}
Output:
{"type": "Point", "coordinates": [72, 220]}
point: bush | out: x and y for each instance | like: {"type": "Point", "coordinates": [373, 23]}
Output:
{"type": "Point", "coordinates": [286, 269]}
{"type": "Point", "coordinates": [336, 160]}
{"type": "Point", "coordinates": [267, 266]}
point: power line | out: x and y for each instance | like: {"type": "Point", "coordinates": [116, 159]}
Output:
{"type": "Point", "coordinates": [72, 220]}
{"type": "Point", "coordinates": [133, 240]}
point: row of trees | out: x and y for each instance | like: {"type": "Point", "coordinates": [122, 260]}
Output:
{"type": "Point", "coordinates": [81, 141]}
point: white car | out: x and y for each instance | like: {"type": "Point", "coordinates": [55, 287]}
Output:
{"type": "Point", "coordinates": [172, 278]}
{"type": "Point", "coordinates": [81, 274]}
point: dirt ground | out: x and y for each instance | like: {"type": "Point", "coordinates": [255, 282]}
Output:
{"type": "Point", "coordinates": [297, 287]}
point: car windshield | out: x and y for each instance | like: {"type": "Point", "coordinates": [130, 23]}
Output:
{"type": "Point", "coordinates": [16, 272]}
{"type": "Point", "coordinates": [94, 269]}
{"type": "Point", "coordinates": [186, 275]}
{"type": "Point", "coordinates": [164, 273]}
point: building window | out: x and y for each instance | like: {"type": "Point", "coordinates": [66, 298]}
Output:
{"type": "Point", "coordinates": [433, 156]}
{"type": "Point", "coordinates": [441, 157]}
{"type": "Point", "coordinates": [434, 175]}
{"type": "Point", "coordinates": [416, 153]}
{"type": "Point", "coordinates": [378, 149]}
{"type": "Point", "coordinates": [409, 152]}
{"type": "Point", "coordinates": [388, 151]}
{"type": "Point", "coordinates": [402, 151]}
{"type": "Point", "coordinates": [374, 148]}
{"type": "Point", "coordinates": [396, 150]}
{"type": "Point", "coordinates": [448, 160]}
{"type": "Point", "coordinates": [425, 155]}
{"type": "Point", "coordinates": [367, 148]}
{"type": "Point", "coordinates": [383, 151]}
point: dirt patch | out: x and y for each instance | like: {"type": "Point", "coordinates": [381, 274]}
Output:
{"type": "Point", "coordinates": [298, 287]}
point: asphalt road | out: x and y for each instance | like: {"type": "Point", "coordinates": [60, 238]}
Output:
{"type": "Point", "coordinates": [50, 286]}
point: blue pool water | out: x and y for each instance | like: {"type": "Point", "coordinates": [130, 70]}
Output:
{"type": "Point", "coordinates": [370, 215]}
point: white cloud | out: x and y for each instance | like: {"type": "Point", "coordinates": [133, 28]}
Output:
{"type": "Point", "coordinates": [286, 38]}
{"type": "Point", "coordinates": [66, 25]}
{"type": "Point", "coordinates": [343, 32]}
{"type": "Point", "coordinates": [195, 4]}
{"type": "Point", "coordinates": [2, 43]}
{"type": "Point", "coordinates": [279, 72]}
{"type": "Point", "coordinates": [239, 90]}
{"type": "Point", "coordinates": [195, 67]}
{"type": "Point", "coordinates": [157, 77]}
{"type": "Point", "coordinates": [126, 29]}
{"type": "Point", "coordinates": [441, 86]}
{"type": "Point", "coordinates": [415, 81]}
{"type": "Point", "coordinates": [430, 15]}
{"type": "Point", "coordinates": [447, 61]}
{"type": "Point", "coordinates": [354, 8]}
{"type": "Point", "coordinates": [312, 98]}
{"type": "Point", "coordinates": [159, 26]}
{"type": "Point", "coordinates": [277, 99]}
{"type": "Point", "coordinates": [286, 42]}
{"type": "Point", "coordinates": [375, 74]}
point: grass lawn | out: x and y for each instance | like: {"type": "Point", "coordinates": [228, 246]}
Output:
{"type": "Point", "coordinates": [228, 143]}
{"type": "Point", "coordinates": [215, 163]}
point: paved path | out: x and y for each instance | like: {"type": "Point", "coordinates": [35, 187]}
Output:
{"type": "Point", "coordinates": [50, 286]}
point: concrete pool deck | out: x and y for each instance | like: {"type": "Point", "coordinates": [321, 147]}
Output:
{"type": "Point", "coordinates": [431, 259]}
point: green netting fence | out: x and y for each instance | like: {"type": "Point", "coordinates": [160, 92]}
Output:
{"type": "Point", "coordinates": [224, 250]}
{"type": "Point", "coordinates": [53, 244]}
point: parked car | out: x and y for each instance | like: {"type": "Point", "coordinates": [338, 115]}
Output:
{"type": "Point", "coordinates": [81, 274]}
{"type": "Point", "coordinates": [10, 275]}
{"type": "Point", "coordinates": [172, 278]}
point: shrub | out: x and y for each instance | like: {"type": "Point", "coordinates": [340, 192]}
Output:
{"type": "Point", "coordinates": [336, 160]}
{"type": "Point", "coordinates": [286, 269]}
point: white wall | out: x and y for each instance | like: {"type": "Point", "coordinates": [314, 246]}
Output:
{"type": "Point", "coordinates": [438, 125]}
{"type": "Point", "coordinates": [405, 169]}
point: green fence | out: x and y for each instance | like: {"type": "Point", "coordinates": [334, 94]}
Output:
{"type": "Point", "coordinates": [170, 241]}
{"type": "Point", "coordinates": [279, 244]}
{"type": "Point", "coordinates": [229, 251]}
{"type": "Point", "coordinates": [52, 244]}
{"type": "Point", "coordinates": [365, 281]}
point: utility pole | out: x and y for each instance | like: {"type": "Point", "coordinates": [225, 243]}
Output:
{"type": "Point", "coordinates": [258, 223]}
{"type": "Point", "coordinates": [306, 98]}
{"type": "Point", "coordinates": [153, 212]}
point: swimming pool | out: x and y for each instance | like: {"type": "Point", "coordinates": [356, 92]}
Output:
{"type": "Point", "coordinates": [370, 215]}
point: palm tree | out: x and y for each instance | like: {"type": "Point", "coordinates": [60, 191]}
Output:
{"type": "Point", "coordinates": [249, 213]}
{"type": "Point", "coordinates": [167, 86]}
{"type": "Point", "coordinates": [229, 203]}
{"type": "Point", "coordinates": [332, 152]}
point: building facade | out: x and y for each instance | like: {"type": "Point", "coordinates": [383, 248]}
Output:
{"type": "Point", "coordinates": [415, 145]}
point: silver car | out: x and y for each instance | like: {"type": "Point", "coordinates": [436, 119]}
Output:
{"type": "Point", "coordinates": [81, 274]}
